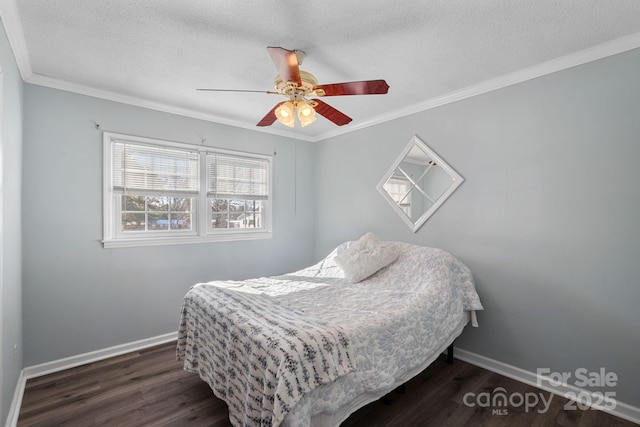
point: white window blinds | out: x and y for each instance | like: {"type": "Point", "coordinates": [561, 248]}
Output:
{"type": "Point", "coordinates": [151, 170]}
{"type": "Point", "coordinates": [236, 177]}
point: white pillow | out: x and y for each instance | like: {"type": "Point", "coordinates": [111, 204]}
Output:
{"type": "Point", "coordinates": [365, 257]}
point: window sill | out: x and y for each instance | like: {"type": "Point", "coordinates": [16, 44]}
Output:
{"type": "Point", "coordinates": [184, 240]}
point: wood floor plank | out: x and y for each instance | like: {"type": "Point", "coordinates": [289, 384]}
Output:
{"type": "Point", "coordinates": [149, 388]}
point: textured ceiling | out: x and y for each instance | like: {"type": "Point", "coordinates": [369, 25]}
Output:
{"type": "Point", "coordinates": [157, 52]}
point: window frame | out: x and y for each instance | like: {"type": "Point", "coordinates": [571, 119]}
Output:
{"type": "Point", "coordinates": [201, 212]}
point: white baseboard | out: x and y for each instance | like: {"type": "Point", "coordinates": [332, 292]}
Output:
{"type": "Point", "coordinates": [16, 403]}
{"type": "Point", "coordinates": [73, 361]}
{"type": "Point", "coordinates": [621, 410]}
{"type": "Point", "coordinates": [94, 356]}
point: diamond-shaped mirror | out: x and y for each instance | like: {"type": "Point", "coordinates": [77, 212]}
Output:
{"type": "Point", "coordinates": [418, 183]}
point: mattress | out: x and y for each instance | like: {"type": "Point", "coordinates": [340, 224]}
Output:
{"type": "Point", "coordinates": [398, 321]}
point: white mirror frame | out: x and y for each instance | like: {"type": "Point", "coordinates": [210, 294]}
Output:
{"type": "Point", "coordinates": [455, 177]}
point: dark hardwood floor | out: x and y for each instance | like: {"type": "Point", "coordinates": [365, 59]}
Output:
{"type": "Point", "coordinates": [149, 388]}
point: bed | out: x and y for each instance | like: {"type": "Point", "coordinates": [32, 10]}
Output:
{"type": "Point", "coordinates": [309, 348]}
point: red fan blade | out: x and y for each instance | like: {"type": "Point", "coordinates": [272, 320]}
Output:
{"type": "Point", "coordinates": [270, 118]}
{"type": "Point", "coordinates": [286, 62]}
{"type": "Point", "coordinates": [331, 113]}
{"type": "Point", "coordinates": [366, 87]}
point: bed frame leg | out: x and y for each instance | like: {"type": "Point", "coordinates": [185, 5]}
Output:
{"type": "Point", "coordinates": [401, 389]}
{"type": "Point", "coordinates": [450, 354]}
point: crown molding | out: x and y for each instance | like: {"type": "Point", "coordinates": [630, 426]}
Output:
{"type": "Point", "coordinates": [568, 61]}
{"type": "Point", "coordinates": [13, 28]}
{"type": "Point", "coordinates": [38, 79]}
{"type": "Point", "coordinates": [15, 34]}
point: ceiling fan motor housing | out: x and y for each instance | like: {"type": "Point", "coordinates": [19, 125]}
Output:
{"type": "Point", "coordinates": [292, 89]}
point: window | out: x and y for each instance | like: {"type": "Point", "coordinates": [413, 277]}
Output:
{"type": "Point", "coordinates": [236, 191]}
{"type": "Point", "coordinates": [159, 192]}
{"type": "Point", "coordinates": [400, 191]}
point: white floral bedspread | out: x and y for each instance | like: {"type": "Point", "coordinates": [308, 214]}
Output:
{"type": "Point", "coordinates": [396, 320]}
{"type": "Point", "coordinates": [265, 355]}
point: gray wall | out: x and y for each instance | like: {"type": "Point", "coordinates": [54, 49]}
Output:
{"type": "Point", "coordinates": [80, 297]}
{"type": "Point", "coordinates": [11, 157]}
{"type": "Point", "coordinates": [547, 218]}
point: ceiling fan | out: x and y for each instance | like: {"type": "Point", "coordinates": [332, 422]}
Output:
{"type": "Point", "coordinates": [298, 86]}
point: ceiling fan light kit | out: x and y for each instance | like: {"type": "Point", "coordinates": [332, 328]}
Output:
{"type": "Point", "coordinates": [306, 113]}
{"type": "Point", "coordinates": [297, 85]}
{"type": "Point", "coordinates": [285, 115]}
